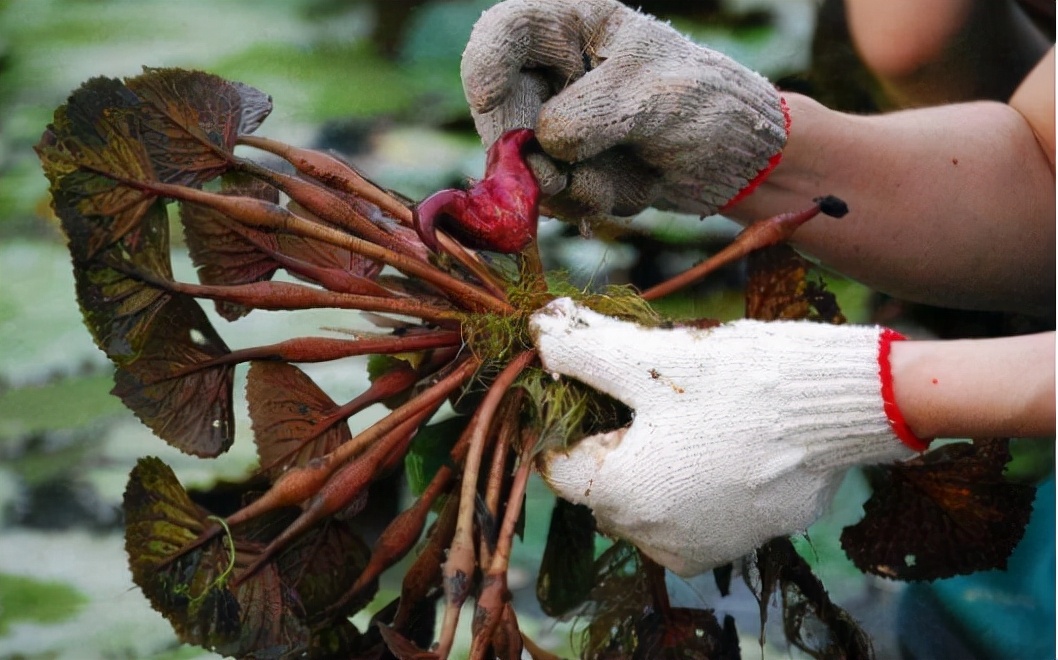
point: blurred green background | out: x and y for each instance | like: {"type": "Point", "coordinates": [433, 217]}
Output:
{"type": "Point", "coordinates": [379, 83]}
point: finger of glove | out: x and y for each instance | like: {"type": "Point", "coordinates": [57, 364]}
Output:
{"type": "Point", "coordinates": [616, 357]}
{"type": "Point", "coordinates": [615, 183]}
{"type": "Point", "coordinates": [526, 34]}
{"type": "Point", "coordinates": [600, 109]}
{"type": "Point", "coordinates": [635, 491]}
{"type": "Point", "coordinates": [518, 109]}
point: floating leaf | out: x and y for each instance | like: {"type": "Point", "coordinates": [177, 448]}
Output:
{"type": "Point", "coordinates": [947, 512]}
{"type": "Point", "coordinates": [292, 417]}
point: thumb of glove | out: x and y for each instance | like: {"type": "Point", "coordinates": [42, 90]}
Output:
{"type": "Point", "coordinates": [613, 356]}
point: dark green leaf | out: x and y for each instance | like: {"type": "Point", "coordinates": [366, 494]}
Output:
{"type": "Point", "coordinates": [431, 449]}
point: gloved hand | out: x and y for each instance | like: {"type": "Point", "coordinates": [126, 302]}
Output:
{"type": "Point", "coordinates": [741, 433]}
{"type": "Point", "coordinates": [631, 113]}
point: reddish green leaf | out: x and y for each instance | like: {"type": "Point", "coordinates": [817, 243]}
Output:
{"type": "Point", "coordinates": [948, 512]}
{"type": "Point", "coordinates": [275, 612]}
{"type": "Point", "coordinates": [169, 125]}
{"type": "Point", "coordinates": [188, 406]}
{"type": "Point", "coordinates": [190, 121]}
{"type": "Point", "coordinates": [290, 415]}
{"type": "Point", "coordinates": [119, 308]}
{"type": "Point", "coordinates": [89, 153]}
{"type": "Point", "coordinates": [155, 339]}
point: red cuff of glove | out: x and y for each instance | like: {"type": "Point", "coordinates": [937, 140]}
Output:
{"type": "Point", "coordinates": [892, 411]}
{"type": "Point", "coordinates": [773, 162]}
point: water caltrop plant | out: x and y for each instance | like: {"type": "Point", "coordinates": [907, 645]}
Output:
{"type": "Point", "coordinates": [276, 565]}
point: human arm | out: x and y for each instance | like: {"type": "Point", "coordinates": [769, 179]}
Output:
{"type": "Point", "coordinates": [951, 205]}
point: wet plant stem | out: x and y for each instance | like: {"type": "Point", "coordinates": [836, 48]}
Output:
{"type": "Point", "coordinates": [385, 386]}
{"type": "Point", "coordinates": [325, 349]}
{"type": "Point", "coordinates": [759, 235]}
{"type": "Point", "coordinates": [299, 484]}
{"type": "Point", "coordinates": [259, 213]}
{"type": "Point", "coordinates": [346, 484]}
{"type": "Point", "coordinates": [495, 595]}
{"type": "Point", "coordinates": [459, 568]}
{"type": "Point", "coordinates": [321, 202]}
{"type": "Point", "coordinates": [425, 572]}
{"type": "Point", "coordinates": [332, 172]}
{"type": "Point", "coordinates": [286, 296]}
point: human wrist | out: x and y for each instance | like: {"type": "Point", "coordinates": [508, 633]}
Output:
{"type": "Point", "coordinates": [805, 159]}
{"type": "Point", "coordinates": [973, 388]}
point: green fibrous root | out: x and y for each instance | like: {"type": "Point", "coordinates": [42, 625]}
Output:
{"type": "Point", "coordinates": [563, 410]}
{"type": "Point", "coordinates": [496, 338]}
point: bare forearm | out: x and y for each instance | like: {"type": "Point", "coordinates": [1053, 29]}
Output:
{"type": "Point", "coordinates": [971, 388]}
{"type": "Point", "coordinates": [951, 205]}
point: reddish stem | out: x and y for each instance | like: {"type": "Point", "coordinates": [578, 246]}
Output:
{"type": "Point", "coordinates": [334, 173]}
{"type": "Point", "coordinates": [425, 572]}
{"type": "Point", "coordinates": [334, 279]}
{"type": "Point", "coordinates": [300, 483]}
{"type": "Point", "coordinates": [259, 213]}
{"type": "Point", "coordinates": [286, 296]}
{"type": "Point", "coordinates": [326, 205]}
{"type": "Point", "coordinates": [758, 235]}
{"type": "Point", "coordinates": [326, 349]}
{"type": "Point", "coordinates": [385, 386]}
{"type": "Point", "coordinates": [459, 569]}
{"type": "Point", "coordinates": [341, 488]}
{"type": "Point", "coordinates": [494, 594]}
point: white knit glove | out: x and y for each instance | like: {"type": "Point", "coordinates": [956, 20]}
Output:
{"type": "Point", "coordinates": [631, 113]}
{"type": "Point", "coordinates": [741, 432]}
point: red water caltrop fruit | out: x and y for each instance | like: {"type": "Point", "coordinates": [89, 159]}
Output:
{"type": "Point", "coordinates": [497, 213]}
